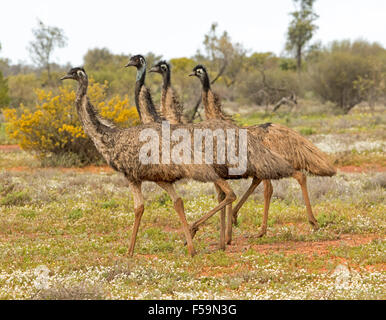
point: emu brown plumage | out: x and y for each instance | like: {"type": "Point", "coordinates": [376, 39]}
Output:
{"type": "Point", "coordinates": [171, 107]}
{"type": "Point", "coordinates": [121, 150]}
{"type": "Point", "coordinates": [298, 151]}
{"type": "Point", "coordinates": [211, 100]}
{"type": "Point", "coordinates": [173, 112]}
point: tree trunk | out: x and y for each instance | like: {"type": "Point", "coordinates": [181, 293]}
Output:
{"type": "Point", "coordinates": [195, 109]}
{"type": "Point", "coordinates": [299, 59]}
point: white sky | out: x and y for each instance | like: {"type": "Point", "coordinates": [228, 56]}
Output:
{"type": "Point", "coordinates": [175, 28]}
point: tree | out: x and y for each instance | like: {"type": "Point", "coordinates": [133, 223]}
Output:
{"type": "Point", "coordinates": [4, 98]}
{"type": "Point", "coordinates": [223, 58]}
{"type": "Point", "coordinates": [47, 38]}
{"type": "Point", "coordinates": [267, 80]}
{"type": "Point", "coordinates": [53, 130]}
{"type": "Point", "coordinates": [349, 73]}
{"type": "Point", "coordinates": [22, 89]}
{"type": "Point", "coordinates": [301, 29]}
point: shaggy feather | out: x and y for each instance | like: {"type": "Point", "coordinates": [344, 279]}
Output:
{"type": "Point", "coordinates": [293, 147]}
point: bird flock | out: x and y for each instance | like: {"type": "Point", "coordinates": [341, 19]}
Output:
{"type": "Point", "coordinates": [273, 151]}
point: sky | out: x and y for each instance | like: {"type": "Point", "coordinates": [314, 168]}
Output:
{"type": "Point", "coordinates": [176, 28]}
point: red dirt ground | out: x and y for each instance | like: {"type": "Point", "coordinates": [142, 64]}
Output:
{"type": "Point", "coordinates": [306, 247]}
{"type": "Point", "coordinates": [9, 148]}
{"type": "Point", "coordinates": [366, 167]}
{"type": "Point", "coordinates": [318, 248]}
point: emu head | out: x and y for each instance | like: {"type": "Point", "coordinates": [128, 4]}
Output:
{"type": "Point", "coordinates": [161, 67]}
{"type": "Point", "coordinates": [199, 71]}
{"type": "Point", "coordinates": [78, 74]}
{"type": "Point", "coordinates": [137, 61]}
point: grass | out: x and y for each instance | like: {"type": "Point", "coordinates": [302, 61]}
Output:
{"type": "Point", "coordinates": [65, 234]}
{"type": "Point", "coordinates": [357, 122]}
{"type": "Point", "coordinates": [76, 227]}
{"type": "Point", "coordinates": [4, 139]}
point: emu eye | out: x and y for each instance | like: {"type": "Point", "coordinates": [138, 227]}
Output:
{"type": "Point", "coordinates": [142, 61]}
{"type": "Point", "coordinates": [163, 67]}
{"type": "Point", "coordinates": [80, 73]}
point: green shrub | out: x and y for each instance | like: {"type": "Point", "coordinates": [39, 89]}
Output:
{"type": "Point", "coordinates": [75, 214]}
{"type": "Point", "coordinates": [15, 199]}
{"type": "Point", "coordinates": [53, 131]}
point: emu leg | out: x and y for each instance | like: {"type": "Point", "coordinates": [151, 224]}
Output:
{"type": "Point", "coordinates": [229, 198]}
{"type": "Point", "coordinates": [220, 198]}
{"type": "Point", "coordinates": [268, 190]}
{"type": "Point", "coordinates": [179, 207]}
{"type": "Point", "coordinates": [229, 214]}
{"type": "Point", "coordinates": [138, 211]}
{"type": "Point", "coordinates": [251, 189]}
{"type": "Point", "coordinates": [302, 180]}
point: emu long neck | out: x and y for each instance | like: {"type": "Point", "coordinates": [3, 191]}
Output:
{"type": "Point", "coordinates": [168, 109]}
{"type": "Point", "coordinates": [143, 101]}
{"type": "Point", "coordinates": [212, 105]}
{"type": "Point", "coordinates": [94, 125]}
{"type": "Point", "coordinates": [166, 80]}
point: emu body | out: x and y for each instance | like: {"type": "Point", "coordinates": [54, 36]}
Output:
{"type": "Point", "coordinates": [212, 100]}
{"type": "Point", "coordinates": [298, 151]}
{"type": "Point", "coordinates": [121, 149]}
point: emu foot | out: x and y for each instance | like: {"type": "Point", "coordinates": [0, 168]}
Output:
{"type": "Point", "coordinates": [314, 224]}
{"type": "Point", "coordinates": [262, 233]}
{"type": "Point", "coordinates": [193, 231]}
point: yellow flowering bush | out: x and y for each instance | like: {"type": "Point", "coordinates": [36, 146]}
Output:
{"type": "Point", "coordinates": [53, 128]}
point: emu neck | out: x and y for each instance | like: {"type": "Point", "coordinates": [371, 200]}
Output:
{"type": "Point", "coordinates": [140, 81]}
{"type": "Point", "coordinates": [212, 111]}
{"type": "Point", "coordinates": [166, 80]}
{"type": "Point", "coordinates": [211, 102]}
{"type": "Point", "coordinates": [205, 83]}
{"type": "Point", "coordinates": [171, 108]}
{"type": "Point", "coordinates": [91, 122]}
{"type": "Point", "coordinates": [143, 101]}
{"type": "Point", "coordinates": [164, 92]}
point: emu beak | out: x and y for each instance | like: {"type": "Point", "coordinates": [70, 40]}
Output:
{"type": "Point", "coordinates": [153, 69]}
{"type": "Point", "coordinates": [130, 64]}
{"type": "Point", "coordinates": [67, 76]}
{"type": "Point", "coordinates": [192, 74]}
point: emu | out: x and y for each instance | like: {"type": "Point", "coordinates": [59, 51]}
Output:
{"type": "Point", "coordinates": [171, 107]}
{"type": "Point", "coordinates": [121, 149]}
{"type": "Point", "coordinates": [164, 69]}
{"type": "Point", "coordinates": [294, 148]}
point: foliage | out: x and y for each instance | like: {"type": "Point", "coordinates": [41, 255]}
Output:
{"type": "Point", "coordinates": [53, 127]}
{"type": "Point", "coordinates": [47, 38]}
{"type": "Point", "coordinates": [301, 28]}
{"type": "Point", "coordinates": [347, 73]}
{"type": "Point", "coordinates": [223, 58]}
{"type": "Point", "coordinates": [222, 55]}
{"type": "Point", "coordinates": [22, 89]}
{"type": "Point", "coordinates": [4, 97]}
{"type": "Point", "coordinates": [342, 74]}
{"type": "Point", "coordinates": [266, 80]}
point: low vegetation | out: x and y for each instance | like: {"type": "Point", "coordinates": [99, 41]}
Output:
{"type": "Point", "coordinates": [64, 235]}
{"type": "Point", "coordinates": [52, 130]}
